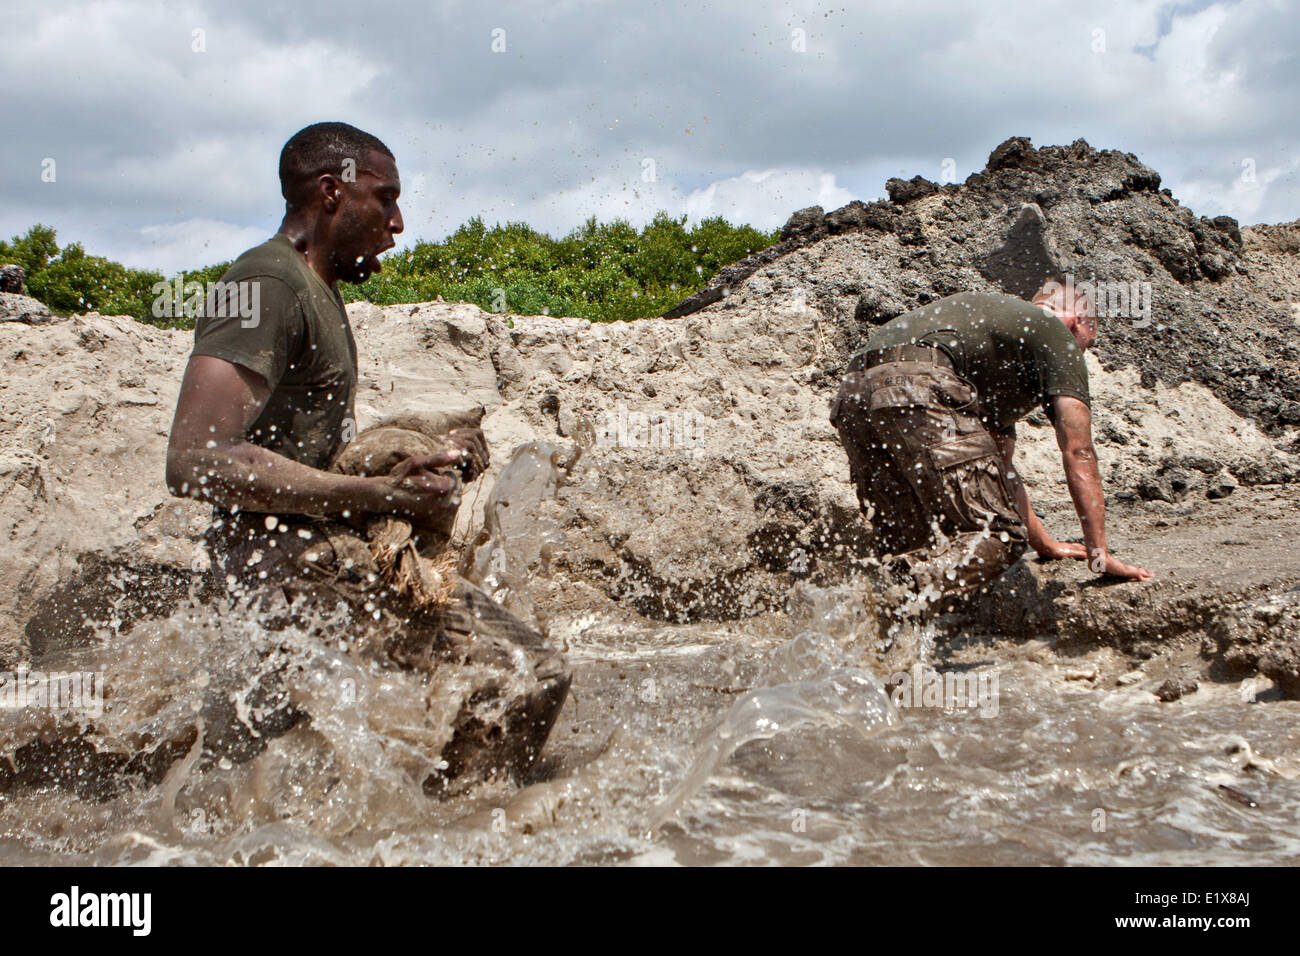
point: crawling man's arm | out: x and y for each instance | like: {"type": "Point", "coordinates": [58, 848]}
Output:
{"type": "Point", "coordinates": [1039, 538]}
{"type": "Point", "coordinates": [1074, 437]}
{"type": "Point", "coordinates": [210, 458]}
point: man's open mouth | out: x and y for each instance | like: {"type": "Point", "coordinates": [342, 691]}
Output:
{"type": "Point", "coordinates": [373, 265]}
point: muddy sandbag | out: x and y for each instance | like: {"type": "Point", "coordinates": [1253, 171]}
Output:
{"type": "Point", "coordinates": [412, 556]}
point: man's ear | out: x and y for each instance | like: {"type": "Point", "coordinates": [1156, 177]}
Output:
{"type": "Point", "coordinates": [330, 192]}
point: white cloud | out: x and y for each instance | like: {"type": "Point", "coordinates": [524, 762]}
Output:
{"type": "Point", "coordinates": [174, 247]}
{"type": "Point", "coordinates": [766, 199]}
{"type": "Point", "coordinates": [1242, 195]}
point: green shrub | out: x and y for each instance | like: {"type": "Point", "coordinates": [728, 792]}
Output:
{"type": "Point", "coordinates": [76, 282]}
{"type": "Point", "coordinates": [603, 271]}
{"type": "Point", "coordinates": [70, 281]}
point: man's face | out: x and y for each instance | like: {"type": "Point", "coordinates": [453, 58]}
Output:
{"type": "Point", "coordinates": [1080, 317]}
{"type": "Point", "coordinates": [367, 218]}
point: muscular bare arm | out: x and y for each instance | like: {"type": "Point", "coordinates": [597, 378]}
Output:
{"type": "Point", "coordinates": [209, 457]}
{"type": "Point", "coordinates": [1079, 458]}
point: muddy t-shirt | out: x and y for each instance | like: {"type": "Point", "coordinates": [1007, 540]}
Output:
{"type": "Point", "coordinates": [298, 339]}
{"type": "Point", "coordinates": [1016, 355]}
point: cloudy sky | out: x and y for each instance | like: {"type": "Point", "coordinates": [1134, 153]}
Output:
{"type": "Point", "coordinates": [164, 120]}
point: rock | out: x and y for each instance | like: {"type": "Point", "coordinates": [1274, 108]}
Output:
{"type": "Point", "coordinates": [23, 308]}
{"type": "Point", "coordinates": [1220, 486]}
{"type": "Point", "coordinates": [1013, 153]}
{"type": "Point", "coordinates": [1037, 419]}
{"type": "Point", "coordinates": [1261, 636]}
{"type": "Point", "coordinates": [1278, 468]}
{"type": "Point", "coordinates": [856, 215]}
{"type": "Point", "coordinates": [1180, 481]}
{"type": "Point", "coordinates": [1175, 688]}
{"type": "Point", "coordinates": [1155, 488]}
{"type": "Point", "coordinates": [1202, 463]}
{"type": "Point", "coordinates": [13, 279]}
{"type": "Point", "coordinates": [803, 223]}
{"type": "Point", "coordinates": [1281, 664]}
{"type": "Point", "coordinates": [1026, 259]}
{"type": "Point", "coordinates": [872, 309]}
{"type": "Point", "coordinates": [904, 191]}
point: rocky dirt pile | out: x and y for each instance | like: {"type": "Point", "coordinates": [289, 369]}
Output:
{"type": "Point", "coordinates": [1224, 300]}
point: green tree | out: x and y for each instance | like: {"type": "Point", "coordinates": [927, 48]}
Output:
{"type": "Point", "coordinates": [33, 251]}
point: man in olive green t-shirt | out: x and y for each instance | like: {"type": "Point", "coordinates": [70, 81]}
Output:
{"type": "Point", "coordinates": [927, 414]}
{"type": "Point", "coordinates": [268, 395]}
{"type": "Point", "coordinates": [265, 410]}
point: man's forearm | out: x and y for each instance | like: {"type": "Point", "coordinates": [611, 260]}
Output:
{"type": "Point", "coordinates": [1039, 539]}
{"type": "Point", "coordinates": [1084, 481]}
{"type": "Point", "coordinates": [252, 478]}
{"type": "Point", "coordinates": [1038, 536]}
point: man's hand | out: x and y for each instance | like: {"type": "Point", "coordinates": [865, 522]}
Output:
{"type": "Point", "coordinates": [1053, 550]}
{"type": "Point", "coordinates": [473, 443]}
{"type": "Point", "coordinates": [417, 488]}
{"type": "Point", "coordinates": [1112, 566]}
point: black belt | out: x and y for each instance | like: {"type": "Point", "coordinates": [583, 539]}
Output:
{"type": "Point", "coordinates": [905, 353]}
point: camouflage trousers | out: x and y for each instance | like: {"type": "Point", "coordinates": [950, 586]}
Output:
{"type": "Point", "coordinates": [927, 471]}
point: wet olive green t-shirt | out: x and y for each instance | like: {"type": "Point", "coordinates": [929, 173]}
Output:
{"type": "Point", "coordinates": [298, 339]}
{"type": "Point", "coordinates": [1016, 355]}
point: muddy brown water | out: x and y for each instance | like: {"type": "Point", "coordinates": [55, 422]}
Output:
{"type": "Point", "coordinates": [706, 745]}
{"type": "Point", "coordinates": [770, 740]}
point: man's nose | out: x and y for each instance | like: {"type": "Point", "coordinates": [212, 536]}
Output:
{"type": "Point", "coordinates": [395, 224]}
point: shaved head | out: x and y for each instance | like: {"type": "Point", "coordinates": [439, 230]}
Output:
{"type": "Point", "coordinates": [1073, 304]}
{"type": "Point", "coordinates": [1063, 295]}
{"type": "Point", "coordinates": [333, 148]}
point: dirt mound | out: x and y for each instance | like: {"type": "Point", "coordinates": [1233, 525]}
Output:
{"type": "Point", "coordinates": [1222, 306]}
{"type": "Point", "coordinates": [711, 478]}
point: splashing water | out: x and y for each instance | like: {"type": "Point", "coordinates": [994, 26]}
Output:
{"type": "Point", "coordinates": [519, 538]}
{"type": "Point", "coordinates": [808, 682]}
